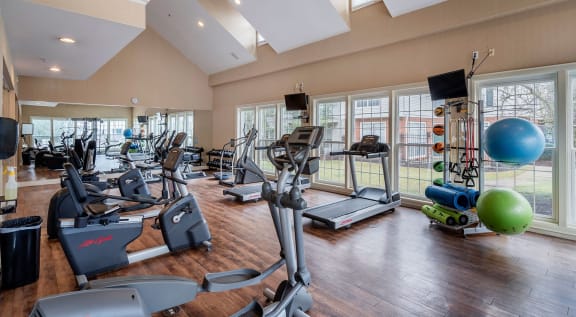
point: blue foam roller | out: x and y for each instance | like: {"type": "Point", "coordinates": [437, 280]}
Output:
{"type": "Point", "coordinates": [472, 193]}
{"type": "Point", "coordinates": [448, 197]}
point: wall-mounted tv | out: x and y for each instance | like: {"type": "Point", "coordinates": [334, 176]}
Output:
{"type": "Point", "coordinates": [296, 102]}
{"type": "Point", "coordinates": [142, 119]}
{"type": "Point", "coordinates": [27, 128]}
{"type": "Point", "coordinates": [448, 85]}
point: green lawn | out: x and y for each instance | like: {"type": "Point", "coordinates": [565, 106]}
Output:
{"type": "Point", "coordinates": [414, 179]}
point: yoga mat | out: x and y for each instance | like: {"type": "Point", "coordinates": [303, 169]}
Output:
{"type": "Point", "coordinates": [448, 197]}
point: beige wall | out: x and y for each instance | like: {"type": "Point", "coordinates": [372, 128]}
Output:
{"type": "Point", "coordinates": [373, 27]}
{"type": "Point", "coordinates": [149, 68]}
{"type": "Point", "coordinates": [8, 107]}
{"type": "Point", "coordinates": [120, 11]}
{"type": "Point", "coordinates": [534, 38]}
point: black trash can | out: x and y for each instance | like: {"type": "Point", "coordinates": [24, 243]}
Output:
{"type": "Point", "coordinates": [20, 251]}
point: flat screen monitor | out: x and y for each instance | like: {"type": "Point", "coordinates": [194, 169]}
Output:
{"type": "Point", "coordinates": [142, 119]}
{"type": "Point", "coordinates": [296, 102]}
{"type": "Point", "coordinates": [27, 128]}
{"type": "Point", "coordinates": [448, 85]}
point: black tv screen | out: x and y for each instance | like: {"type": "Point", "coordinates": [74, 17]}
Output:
{"type": "Point", "coordinates": [142, 119]}
{"type": "Point", "coordinates": [27, 128]}
{"type": "Point", "coordinates": [448, 85]}
{"type": "Point", "coordinates": [296, 102]}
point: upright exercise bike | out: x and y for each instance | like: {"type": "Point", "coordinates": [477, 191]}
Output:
{"type": "Point", "coordinates": [144, 295]}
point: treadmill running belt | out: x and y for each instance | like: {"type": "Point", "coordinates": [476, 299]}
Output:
{"type": "Point", "coordinates": [339, 208]}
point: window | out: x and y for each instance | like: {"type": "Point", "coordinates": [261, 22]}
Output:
{"type": "Point", "coordinates": [534, 100]}
{"type": "Point", "coordinates": [359, 4]}
{"type": "Point", "coordinates": [414, 152]}
{"type": "Point", "coordinates": [416, 134]}
{"type": "Point", "coordinates": [266, 135]}
{"type": "Point", "coordinates": [331, 114]}
{"type": "Point", "coordinates": [370, 116]}
{"type": "Point", "coordinates": [289, 120]}
{"type": "Point", "coordinates": [42, 131]}
{"type": "Point", "coordinates": [260, 40]}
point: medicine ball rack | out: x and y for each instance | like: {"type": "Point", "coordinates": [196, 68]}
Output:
{"type": "Point", "coordinates": [463, 110]}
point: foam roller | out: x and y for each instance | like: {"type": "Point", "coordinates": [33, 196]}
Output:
{"type": "Point", "coordinates": [462, 219]}
{"type": "Point", "coordinates": [448, 197]}
{"type": "Point", "coordinates": [438, 215]}
{"type": "Point", "coordinates": [472, 193]}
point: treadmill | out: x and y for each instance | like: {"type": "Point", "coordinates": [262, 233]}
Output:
{"type": "Point", "coordinates": [365, 202]}
{"type": "Point", "coordinates": [254, 192]}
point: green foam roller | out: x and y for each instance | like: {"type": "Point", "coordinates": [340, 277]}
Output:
{"type": "Point", "coordinates": [462, 218]}
{"type": "Point", "coordinates": [438, 215]}
{"type": "Point", "coordinates": [438, 182]}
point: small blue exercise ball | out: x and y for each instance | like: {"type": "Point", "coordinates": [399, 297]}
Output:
{"type": "Point", "coordinates": [514, 141]}
{"type": "Point", "coordinates": [127, 133]}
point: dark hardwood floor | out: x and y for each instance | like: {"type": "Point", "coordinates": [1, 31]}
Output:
{"type": "Point", "coordinates": [392, 265]}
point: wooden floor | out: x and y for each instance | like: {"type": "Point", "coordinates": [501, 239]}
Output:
{"type": "Point", "coordinates": [392, 265]}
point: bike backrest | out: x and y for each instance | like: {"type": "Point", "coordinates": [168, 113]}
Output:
{"type": "Point", "coordinates": [74, 184]}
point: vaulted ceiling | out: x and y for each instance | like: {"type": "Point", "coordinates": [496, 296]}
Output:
{"type": "Point", "coordinates": [216, 35]}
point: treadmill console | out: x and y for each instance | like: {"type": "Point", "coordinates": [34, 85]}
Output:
{"type": "Point", "coordinates": [368, 144]}
{"type": "Point", "coordinates": [306, 136]}
{"type": "Point", "coordinates": [173, 159]}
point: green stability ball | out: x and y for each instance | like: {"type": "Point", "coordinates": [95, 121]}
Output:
{"type": "Point", "coordinates": [504, 211]}
{"type": "Point", "coordinates": [438, 166]}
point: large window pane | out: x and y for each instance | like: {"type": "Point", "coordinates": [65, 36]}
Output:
{"type": "Point", "coordinates": [266, 135]}
{"type": "Point", "coordinates": [289, 120]}
{"type": "Point", "coordinates": [62, 128]}
{"type": "Point", "coordinates": [533, 100]}
{"type": "Point", "coordinates": [415, 155]}
{"type": "Point", "coordinates": [370, 116]}
{"type": "Point", "coordinates": [191, 140]}
{"type": "Point", "coordinates": [42, 131]}
{"type": "Point", "coordinates": [331, 114]}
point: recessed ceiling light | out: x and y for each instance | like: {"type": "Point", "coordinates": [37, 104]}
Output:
{"type": "Point", "coordinates": [55, 69]}
{"type": "Point", "coordinates": [200, 24]}
{"type": "Point", "coordinates": [67, 40]}
{"type": "Point", "coordinates": [238, 2]}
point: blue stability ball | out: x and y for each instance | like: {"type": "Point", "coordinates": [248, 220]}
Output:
{"type": "Point", "coordinates": [514, 141]}
{"type": "Point", "coordinates": [127, 133]}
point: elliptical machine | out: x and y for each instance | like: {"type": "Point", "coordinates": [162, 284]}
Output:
{"type": "Point", "coordinates": [144, 295]}
{"type": "Point", "coordinates": [95, 242]}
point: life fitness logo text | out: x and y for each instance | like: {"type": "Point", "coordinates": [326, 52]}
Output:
{"type": "Point", "coordinates": [97, 241]}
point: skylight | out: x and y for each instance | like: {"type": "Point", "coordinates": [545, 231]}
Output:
{"type": "Point", "coordinates": [359, 4]}
{"type": "Point", "coordinates": [261, 40]}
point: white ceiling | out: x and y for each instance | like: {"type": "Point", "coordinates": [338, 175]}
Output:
{"type": "Point", "coordinates": [33, 30]}
{"type": "Point", "coordinates": [212, 48]}
{"type": "Point", "coordinates": [290, 24]}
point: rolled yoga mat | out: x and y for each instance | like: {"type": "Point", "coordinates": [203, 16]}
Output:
{"type": "Point", "coordinates": [472, 193]}
{"type": "Point", "coordinates": [461, 219]}
{"type": "Point", "coordinates": [438, 215]}
{"type": "Point", "coordinates": [448, 197]}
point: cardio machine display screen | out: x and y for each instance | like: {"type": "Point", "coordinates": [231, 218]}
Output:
{"type": "Point", "coordinates": [173, 159]}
